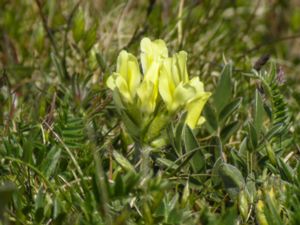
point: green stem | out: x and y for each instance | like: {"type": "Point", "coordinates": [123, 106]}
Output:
{"type": "Point", "coordinates": [145, 154]}
{"type": "Point", "coordinates": [142, 154]}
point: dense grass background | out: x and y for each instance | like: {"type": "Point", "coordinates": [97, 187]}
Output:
{"type": "Point", "coordinates": [65, 157]}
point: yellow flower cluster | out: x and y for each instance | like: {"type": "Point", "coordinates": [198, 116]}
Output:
{"type": "Point", "coordinates": [163, 79]}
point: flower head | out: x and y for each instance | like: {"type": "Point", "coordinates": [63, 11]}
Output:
{"type": "Point", "coordinates": [159, 91]}
{"type": "Point", "coordinates": [177, 91]}
{"type": "Point", "coordinates": [127, 77]}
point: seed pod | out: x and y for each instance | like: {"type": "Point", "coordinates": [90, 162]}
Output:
{"type": "Point", "coordinates": [261, 62]}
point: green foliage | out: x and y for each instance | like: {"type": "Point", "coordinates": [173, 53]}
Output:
{"type": "Point", "coordinates": [191, 144]}
{"type": "Point", "coordinates": [65, 157]}
{"type": "Point", "coordinates": [223, 90]}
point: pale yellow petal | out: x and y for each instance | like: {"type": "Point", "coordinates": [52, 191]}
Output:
{"type": "Point", "coordinates": [152, 73]}
{"type": "Point", "coordinates": [123, 89]}
{"type": "Point", "coordinates": [197, 84]}
{"type": "Point", "coordinates": [128, 68]}
{"type": "Point", "coordinates": [134, 75]}
{"type": "Point", "coordinates": [165, 90]}
{"type": "Point", "coordinates": [167, 68]}
{"type": "Point", "coordinates": [122, 64]}
{"type": "Point", "coordinates": [111, 81]}
{"type": "Point", "coordinates": [182, 94]}
{"type": "Point", "coordinates": [147, 97]}
{"type": "Point", "coordinates": [194, 110]}
{"type": "Point", "coordinates": [181, 59]}
{"type": "Point", "coordinates": [201, 121]}
{"type": "Point", "coordinates": [152, 51]}
{"type": "Point", "coordinates": [179, 68]}
{"type": "Point", "coordinates": [166, 84]}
